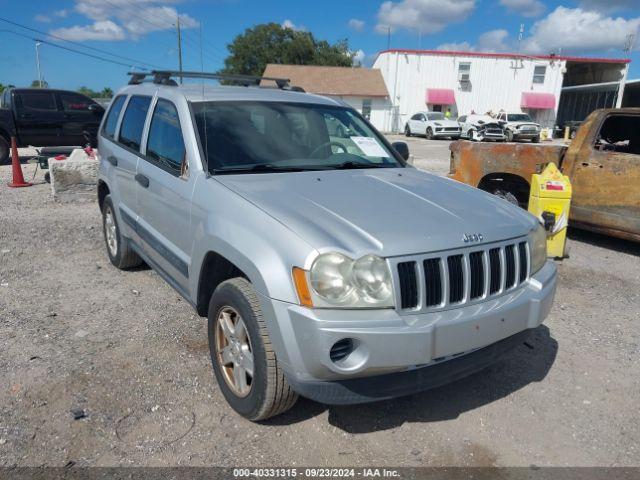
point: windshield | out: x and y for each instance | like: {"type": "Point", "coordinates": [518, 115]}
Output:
{"type": "Point", "coordinates": [435, 116]}
{"type": "Point", "coordinates": [519, 117]}
{"type": "Point", "coordinates": [269, 136]}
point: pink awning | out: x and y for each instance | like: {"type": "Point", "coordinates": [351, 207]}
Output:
{"type": "Point", "coordinates": [440, 96]}
{"type": "Point", "coordinates": [539, 101]}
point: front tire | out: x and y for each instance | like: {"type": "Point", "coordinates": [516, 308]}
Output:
{"type": "Point", "coordinates": [536, 139]}
{"type": "Point", "coordinates": [120, 252]}
{"type": "Point", "coordinates": [509, 135]}
{"type": "Point", "coordinates": [407, 131]}
{"type": "Point", "coordinates": [243, 359]}
{"type": "Point", "coordinates": [429, 134]}
{"type": "Point", "coordinates": [472, 135]}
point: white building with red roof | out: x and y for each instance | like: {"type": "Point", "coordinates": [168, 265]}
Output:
{"type": "Point", "coordinates": [466, 82]}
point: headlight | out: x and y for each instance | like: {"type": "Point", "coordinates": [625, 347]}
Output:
{"type": "Point", "coordinates": [338, 281]}
{"type": "Point", "coordinates": [538, 246]}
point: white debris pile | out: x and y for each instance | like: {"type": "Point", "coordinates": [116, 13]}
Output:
{"type": "Point", "coordinates": [74, 178]}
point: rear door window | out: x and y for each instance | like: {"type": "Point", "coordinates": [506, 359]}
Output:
{"type": "Point", "coordinates": [133, 122]}
{"type": "Point", "coordinates": [42, 101]}
{"type": "Point", "coordinates": [110, 123]}
{"type": "Point", "coordinates": [165, 145]}
{"type": "Point", "coordinates": [74, 102]}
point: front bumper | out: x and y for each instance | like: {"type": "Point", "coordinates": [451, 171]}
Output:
{"type": "Point", "coordinates": [387, 344]}
{"type": "Point", "coordinates": [444, 133]}
{"type": "Point", "coordinates": [525, 135]}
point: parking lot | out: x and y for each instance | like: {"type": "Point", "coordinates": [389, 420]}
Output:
{"type": "Point", "coordinates": [128, 353]}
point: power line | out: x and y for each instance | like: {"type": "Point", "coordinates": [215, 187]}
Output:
{"type": "Point", "coordinates": [128, 65]}
{"type": "Point", "coordinates": [138, 62]}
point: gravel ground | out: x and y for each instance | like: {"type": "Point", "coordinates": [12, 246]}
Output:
{"type": "Point", "coordinates": [126, 352]}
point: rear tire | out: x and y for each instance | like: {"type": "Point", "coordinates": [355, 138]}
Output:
{"type": "Point", "coordinates": [4, 151]}
{"type": "Point", "coordinates": [508, 196]}
{"type": "Point", "coordinates": [120, 253]}
{"type": "Point", "coordinates": [269, 393]}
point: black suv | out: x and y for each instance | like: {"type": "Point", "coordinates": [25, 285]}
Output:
{"type": "Point", "coordinates": [46, 117]}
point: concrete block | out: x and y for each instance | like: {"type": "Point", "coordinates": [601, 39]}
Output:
{"type": "Point", "coordinates": [74, 179]}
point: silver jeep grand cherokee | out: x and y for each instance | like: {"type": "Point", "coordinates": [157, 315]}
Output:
{"type": "Point", "coordinates": [327, 267]}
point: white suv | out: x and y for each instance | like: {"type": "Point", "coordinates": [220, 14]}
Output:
{"type": "Point", "coordinates": [519, 126]}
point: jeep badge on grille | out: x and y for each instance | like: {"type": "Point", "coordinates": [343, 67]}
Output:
{"type": "Point", "coordinates": [472, 237]}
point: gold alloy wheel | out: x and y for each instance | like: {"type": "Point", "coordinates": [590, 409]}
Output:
{"type": "Point", "coordinates": [233, 351]}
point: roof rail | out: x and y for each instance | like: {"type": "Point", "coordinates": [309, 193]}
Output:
{"type": "Point", "coordinates": [163, 77]}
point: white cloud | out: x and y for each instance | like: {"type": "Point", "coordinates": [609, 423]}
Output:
{"type": "Point", "coordinates": [100, 30]}
{"type": "Point", "coordinates": [526, 8]}
{"type": "Point", "coordinates": [42, 18]}
{"type": "Point", "coordinates": [491, 41]}
{"type": "Point", "coordinates": [355, 24]}
{"type": "Point", "coordinates": [120, 19]}
{"type": "Point", "coordinates": [426, 16]}
{"type": "Point", "coordinates": [456, 47]}
{"type": "Point", "coordinates": [579, 31]}
{"type": "Point", "coordinates": [358, 57]}
{"type": "Point", "coordinates": [289, 24]}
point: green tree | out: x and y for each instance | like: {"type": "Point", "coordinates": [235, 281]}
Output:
{"type": "Point", "coordinates": [36, 84]}
{"type": "Point", "coordinates": [106, 93]}
{"type": "Point", "coordinates": [88, 92]}
{"type": "Point", "coordinates": [2, 87]}
{"type": "Point", "coordinates": [250, 51]}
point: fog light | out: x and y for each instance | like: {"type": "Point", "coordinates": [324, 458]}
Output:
{"type": "Point", "coordinates": [341, 349]}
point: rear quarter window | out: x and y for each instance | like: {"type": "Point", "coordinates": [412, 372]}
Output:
{"type": "Point", "coordinates": [110, 123]}
{"type": "Point", "coordinates": [133, 122]}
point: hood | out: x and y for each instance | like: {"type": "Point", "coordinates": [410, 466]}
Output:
{"type": "Point", "coordinates": [389, 212]}
{"type": "Point", "coordinates": [446, 123]}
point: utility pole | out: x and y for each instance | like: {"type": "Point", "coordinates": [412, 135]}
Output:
{"type": "Point", "coordinates": [38, 64]}
{"type": "Point", "coordinates": [179, 49]}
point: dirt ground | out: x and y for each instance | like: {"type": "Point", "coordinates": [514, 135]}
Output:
{"type": "Point", "coordinates": [124, 350]}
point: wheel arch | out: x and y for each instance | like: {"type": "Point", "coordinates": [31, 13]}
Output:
{"type": "Point", "coordinates": [214, 270]}
{"type": "Point", "coordinates": [509, 182]}
{"type": "Point", "coordinates": [103, 191]}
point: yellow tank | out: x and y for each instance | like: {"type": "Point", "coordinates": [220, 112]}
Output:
{"type": "Point", "coordinates": [549, 200]}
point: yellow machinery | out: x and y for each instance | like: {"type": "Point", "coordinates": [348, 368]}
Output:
{"type": "Point", "coordinates": [549, 201]}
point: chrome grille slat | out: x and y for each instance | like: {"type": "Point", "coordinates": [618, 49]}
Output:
{"type": "Point", "coordinates": [459, 277]}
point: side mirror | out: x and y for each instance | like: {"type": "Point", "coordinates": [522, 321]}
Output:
{"type": "Point", "coordinates": [402, 148]}
{"type": "Point", "coordinates": [95, 108]}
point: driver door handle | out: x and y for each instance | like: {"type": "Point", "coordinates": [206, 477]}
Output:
{"type": "Point", "coordinates": [112, 160]}
{"type": "Point", "coordinates": [142, 180]}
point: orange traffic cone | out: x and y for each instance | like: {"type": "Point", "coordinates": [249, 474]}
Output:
{"type": "Point", "coordinates": [18, 178]}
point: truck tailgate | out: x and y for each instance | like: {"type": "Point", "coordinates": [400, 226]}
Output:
{"type": "Point", "coordinates": [471, 161]}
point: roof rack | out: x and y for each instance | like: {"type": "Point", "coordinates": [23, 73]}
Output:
{"type": "Point", "coordinates": [163, 77]}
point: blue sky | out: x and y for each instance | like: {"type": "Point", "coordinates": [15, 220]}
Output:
{"type": "Point", "coordinates": [142, 31]}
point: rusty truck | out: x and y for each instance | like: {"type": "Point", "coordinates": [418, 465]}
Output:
{"type": "Point", "coordinates": [602, 162]}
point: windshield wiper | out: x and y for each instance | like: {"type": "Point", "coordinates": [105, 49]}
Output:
{"type": "Point", "coordinates": [356, 165]}
{"type": "Point", "coordinates": [261, 168]}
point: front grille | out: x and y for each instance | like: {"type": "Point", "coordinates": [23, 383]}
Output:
{"type": "Point", "coordinates": [456, 279]}
{"type": "Point", "coordinates": [462, 277]}
{"type": "Point", "coordinates": [408, 285]}
{"type": "Point", "coordinates": [451, 129]}
{"type": "Point", "coordinates": [433, 282]}
{"type": "Point", "coordinates": [494, 131]}
{"type": "Point", "coordinates": [476, 270]}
